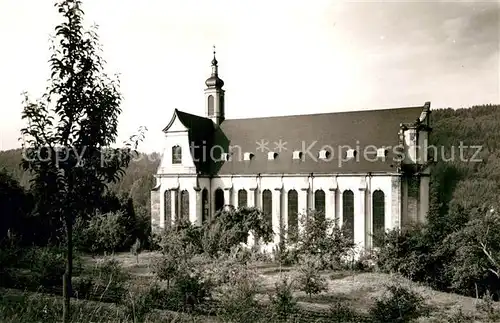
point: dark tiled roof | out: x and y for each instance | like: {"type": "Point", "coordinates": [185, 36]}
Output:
{"type": "Point", "coordinates": [357, 130]}
{"type": "Point", "coordinates": [200, 134]}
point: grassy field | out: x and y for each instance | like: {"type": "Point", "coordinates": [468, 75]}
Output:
{"type": "Point", "coordinates": [359, 290]}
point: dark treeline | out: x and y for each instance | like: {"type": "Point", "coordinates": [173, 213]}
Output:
{"type": "Point", "coordinates": [129, 197]}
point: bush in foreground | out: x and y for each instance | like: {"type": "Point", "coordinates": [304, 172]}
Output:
{"type": "Point", "coordinates": [399, 305]}
{"type": "Point", "coordinates": [309, 279]}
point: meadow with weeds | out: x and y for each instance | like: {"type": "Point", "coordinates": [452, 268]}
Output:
{"type": "Point", "coordinates": [178, 281]}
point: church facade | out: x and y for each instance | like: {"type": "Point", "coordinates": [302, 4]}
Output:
{"type": "Point", "coordinates": [366, 169]}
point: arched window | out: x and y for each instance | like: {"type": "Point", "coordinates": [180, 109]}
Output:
{"type": "Point", "coordinates": [348, 212]}
{"type": "Point", "coordinates": [184, 206]}
{"type": "Point", "coordinates": [242, 198]}
{"type": "Point", "coordinates": [168, 208]}
{"type": "Point", "coordinates": [176, 155]}
{"type": "Point", "coordinates": [378, 213]}
{"type": "Point", "coordinates": [293, 215]}
{"type": "Point", "coordinates": [219, 199]}
{"type": "Point", "coordinates": [267, 205]}
{"type": "Point", "coordinates": [319, 203]}
{"type": "Point", "coordinates": [204, 205]}
{"type": "Point", "coordinates": [210, 105]}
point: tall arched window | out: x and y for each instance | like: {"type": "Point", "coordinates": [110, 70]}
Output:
{"type": "Point", "coordinates": [184, 206]}
{"type": "Point", "coordinates": [176, 155]}
{"type": "Point", "coordinates": [168, 208]}
{"type": "Point", "coordinates": [210, 105]}
{"type": "Point", "coordinates": [348, 212]}
{"type": "Point", "coordinates": [242, 198]}
{"type": "Point", "coordinates": [219, 199]}
{"type": "Point", "coordinates": [267, 205]}
{"type": "Point", "coordinates": [293, 215]}
{"type": "Point", "coordinates": [204, 205]}
{"type": "Point", "coordinates": [319, 203]}
{"type": "Point", "coordinates": [378, 213]}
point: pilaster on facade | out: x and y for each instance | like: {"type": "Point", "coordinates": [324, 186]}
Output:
{"type": "Point", "coordinates": [156, 217]}
{"type": "Point", "coordinates": [341, 208]}
{"type": "Point", "coordinates": [251, 196]}
{"type": "Point", "coordinates": [360, 219]}
{"type": "Point", "coordinates": [196, 217]}
{"type": "Point", "coordinates": [404, 203]}
{"type": "Point", "coordinates": [396, 201]}
{"type": "Point", "coordinates": [368, 212]}
{"type": "Point", "coordinates": [276, 216]}
{"type": "Point", "coordinates": [251, 203]}
{"type": "Point", "coordinates": [174, 205]}
{"type": "Point", "coordinates": [303, 197]}
{"type": "Point", "coordinates": [310, 197]}
{"type": "Point", "coordinates": [330, 207]}
{"type": "Point", "coordinates": [424, 197]}
{"type": "Point", "coordinates": [227, 195]}
{"type": "Point", "coordinates": [162, 212]}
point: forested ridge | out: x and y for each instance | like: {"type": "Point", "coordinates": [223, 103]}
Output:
{"type": "Point", "coordinates": [466, 182]}
{"type": "Point", "coordinates": [136, 183]}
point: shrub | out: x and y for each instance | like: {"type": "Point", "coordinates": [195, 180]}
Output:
{"type": "Point", "coordinates": [188, 286]}
{"type": "Point", "coordinates": [105, 281]}
{"type": "Point", "coordinates": [181, 241]}
{"type": "Point", "coordinates": [286, 255]}
{"type": "Point", "coordinates": [283, 304]}
{"type": "Point", "coordinates": [456, 251]}
{"type": "Point", "coordinates": [324, 239]}
{"type": "Point", "coordinates": [342, 313]}
{"type": "Point", "coordinates": [400, 305]}
{"type": "Point", "coordinates": [309, 279]}
{"type": "Point", "coordinates": [47, 265]}
{"type": "Point", "coordinates": [230, 227]}
{"type": "Point", "coordinates": [411, 252]}
{"type": "Point", "coordinates": [486, 307]}
{"type": "Point", "coordinates": [237, 298]}
{"type": "Point", "coordinates": [457, 316]}
{"type": "Point", "coordinates": [105, 232]}
{"type": "Point", "coordinates": [190, 290]}
{"type": "Point", "coordinates": [167, 268]}
{"type": "Point", "coordinates": [366, 261]}
{"type": "Point", "coordinates": [138, 305]}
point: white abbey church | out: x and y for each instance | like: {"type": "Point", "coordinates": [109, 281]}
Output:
{"type": "Point", "coordinates": [363, 168]}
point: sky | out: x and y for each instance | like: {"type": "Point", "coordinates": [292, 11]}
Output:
{"type": "Point", "coordinates": [276, 57]}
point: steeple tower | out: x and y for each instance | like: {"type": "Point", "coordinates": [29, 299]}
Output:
{"type": "Point", "coordinates": [214, 95]}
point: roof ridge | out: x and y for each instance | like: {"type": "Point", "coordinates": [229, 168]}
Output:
{"type": "Point", "coordinates": [328, 113]}
{"type": "Point", "coordinates": [190, 114]}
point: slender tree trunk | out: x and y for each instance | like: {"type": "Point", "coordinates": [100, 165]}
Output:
{"type": "Point", "coordinates": [69, 271]}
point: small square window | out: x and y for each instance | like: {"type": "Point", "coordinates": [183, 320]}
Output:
{"type": "Point", "coordinates": [272, 155]}
{"type": "Point", "coordinates": [382, 152]}
{"type": "Point", "coordinates": [324, 154]}
{"type": "Point", "coordinates": [297, 154]}
{"type": "Point", "coordinates": [351, 153]}
{"type": "Point", "coordinates": [247, 156]}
